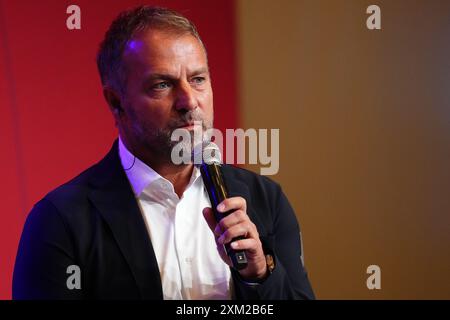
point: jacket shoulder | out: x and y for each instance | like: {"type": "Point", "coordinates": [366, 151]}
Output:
{"type": "Point", "coordinates": [73, 193]}
{"type": "Point", "coordinates": [263, 195]}
{"type": "Point", "coordinates": [255, 182]}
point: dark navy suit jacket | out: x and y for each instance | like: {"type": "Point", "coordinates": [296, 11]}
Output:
{"type": "Point", "coordinates": [94, 222]}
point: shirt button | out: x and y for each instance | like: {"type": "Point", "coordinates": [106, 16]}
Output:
{"type": "Point", "coordinates": [188, 260]}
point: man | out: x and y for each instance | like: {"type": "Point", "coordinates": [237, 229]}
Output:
{"type": "Point", "coordinates": [132, 225]}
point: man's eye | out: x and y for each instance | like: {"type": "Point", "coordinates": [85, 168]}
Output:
{"type": "Point", "coordinates": [198, 80]}
{"type": "Point", "coordinates": [161, 85]}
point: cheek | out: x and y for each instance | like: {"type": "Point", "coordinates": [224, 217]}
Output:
{"type": "Point", "coordinates": [152, 114]}
{"type": "Point", "coordinates": [206, 99]}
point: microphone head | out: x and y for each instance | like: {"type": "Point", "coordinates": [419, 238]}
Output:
{"type": "Point", "coordinates": [206, 152]}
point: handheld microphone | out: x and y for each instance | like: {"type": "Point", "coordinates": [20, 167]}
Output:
{"type": "Point", "coordinates": [211, 172]}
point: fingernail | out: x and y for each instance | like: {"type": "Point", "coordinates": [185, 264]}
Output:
{"type": "Point", "coordinates": [221, 207]}
{"type": "Point", "coordinates": [234, 245]}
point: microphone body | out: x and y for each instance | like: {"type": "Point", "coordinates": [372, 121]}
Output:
{"type": "Point", "coordinates": [217, 191]}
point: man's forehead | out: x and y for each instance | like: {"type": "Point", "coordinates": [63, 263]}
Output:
{"type": "Point", "coordinates": [165, 54]}
{"type": "Point", "coordinates": [155, 42]}
{"type": "Point", "coordinates": [134, 45]}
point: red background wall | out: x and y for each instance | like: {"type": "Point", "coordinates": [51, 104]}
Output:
{"type": "Point", "coordinates": [54, 122]}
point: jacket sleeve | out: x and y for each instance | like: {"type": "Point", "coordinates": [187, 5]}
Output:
{"type": "Point", "coordinates": [289, 279]}
{"type": "Point", "coordinates": [44, 256]}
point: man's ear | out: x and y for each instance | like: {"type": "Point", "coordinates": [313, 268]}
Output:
{"type": "Point", "coordinates": [113, 100]}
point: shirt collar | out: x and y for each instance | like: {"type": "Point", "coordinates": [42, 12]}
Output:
{"type": "Point", "coordinates": [141, 175]}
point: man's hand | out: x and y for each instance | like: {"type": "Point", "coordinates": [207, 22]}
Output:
{"type": "Point", "coordinates": [234, 225]}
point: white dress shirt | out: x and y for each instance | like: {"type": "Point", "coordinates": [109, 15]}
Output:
{"type": "Point", "coordinates": [189, 264]}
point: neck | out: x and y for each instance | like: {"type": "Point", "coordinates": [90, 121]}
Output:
{"type": "Point", "coordinates": [178, 175]}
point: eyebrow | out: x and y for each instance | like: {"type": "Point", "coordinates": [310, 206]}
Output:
{"type": "Point", "coordinates": [166, 76]}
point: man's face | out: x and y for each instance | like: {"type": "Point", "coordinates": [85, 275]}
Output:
{"type": "Point", "coordinates": [168, 87]}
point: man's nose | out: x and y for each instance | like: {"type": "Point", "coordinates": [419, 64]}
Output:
{"type": "Point", "coordinates": [186, 99]}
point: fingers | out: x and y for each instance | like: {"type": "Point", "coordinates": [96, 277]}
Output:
{"type": "Point", "coordinates": [232, 219]}
{"type": "Point", "coordinates": [234, 225]}
{"type": "Point", "coordinates": [235, 203]}
{"type": "Point", "coordinates": [237, 224]}
{"type": "Point", "coordinates": [245, 229]}
{"type": "Point", "coordinates": [249, 245]}
{"type": "Point", "coordinates": [239, 207]}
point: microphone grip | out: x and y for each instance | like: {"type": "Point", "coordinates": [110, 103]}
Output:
{"type": "Point", "coordinates": [217, 192]}
{"type": "Point", "coordinates": [238, 257]}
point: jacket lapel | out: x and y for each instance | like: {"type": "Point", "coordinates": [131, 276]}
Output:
{"type": "Point", "coordinates": [112, 195]}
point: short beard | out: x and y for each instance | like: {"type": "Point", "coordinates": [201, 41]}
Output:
{"type": "Point", "coordinates": [160, 142]}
